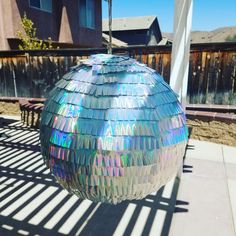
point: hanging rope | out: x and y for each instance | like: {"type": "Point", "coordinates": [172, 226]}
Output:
{"type": "Point", "coordinates": [110, 26]}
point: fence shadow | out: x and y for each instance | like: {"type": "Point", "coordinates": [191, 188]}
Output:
{"type": "Point", "coordinates": [32, 203]}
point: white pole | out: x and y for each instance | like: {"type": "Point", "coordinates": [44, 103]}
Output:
{"type": "Point", "coordinates": [180, 52]}
{"type": "Point", "coordinates": [181, 48]}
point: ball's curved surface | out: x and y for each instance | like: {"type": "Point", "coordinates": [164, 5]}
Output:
{"type": "Point", "coordinates": [112, 130]}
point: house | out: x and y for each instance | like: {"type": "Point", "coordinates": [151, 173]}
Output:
{"type": "Point", "coordinates": [115, 42]}
{"type": "Point", "coordinates": [76, 23]}
{"type": "Point", "coordinates": [143, 30]}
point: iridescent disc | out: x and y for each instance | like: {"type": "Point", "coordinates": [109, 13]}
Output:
{"type": "Point", "coordinates": [112, 130]}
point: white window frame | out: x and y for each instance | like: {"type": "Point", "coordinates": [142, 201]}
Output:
{"type": "Point", "coordinates": [39, 8]}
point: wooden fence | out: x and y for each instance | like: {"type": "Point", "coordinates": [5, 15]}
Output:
{"type": "Point", "coordinates": [212, 72]}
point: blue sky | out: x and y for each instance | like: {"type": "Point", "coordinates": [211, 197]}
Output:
{"type": "Point", "coordinates": [207, 14]}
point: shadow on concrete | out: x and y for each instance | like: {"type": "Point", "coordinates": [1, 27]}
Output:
{"type": "Point", "coordinates": [190, 147]}
{"type": "Point", "coordinates": [32, 203]}
{"type": "Point", "coordinates": [187, 169]}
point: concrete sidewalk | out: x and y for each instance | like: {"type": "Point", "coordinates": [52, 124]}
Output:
{"type": "Point", "coordinates": [202, 203]}
{"type": "Point", "coordinates": [208, 184]}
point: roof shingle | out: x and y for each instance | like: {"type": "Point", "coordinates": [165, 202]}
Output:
{"type": "Point", "coordinates": [129, 23]}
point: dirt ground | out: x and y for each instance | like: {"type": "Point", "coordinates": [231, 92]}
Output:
{"type": "Point", "coordinates": [213, 131]}
{"type": "Point", "coordinates": [9, 108]}
{"type": "Point", "coordinates": [208, 130]}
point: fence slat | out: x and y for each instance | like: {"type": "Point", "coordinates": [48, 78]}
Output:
{"type": "Point", "coordinates": [212, 70]}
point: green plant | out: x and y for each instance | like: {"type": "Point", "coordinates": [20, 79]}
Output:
{"type": "Point", "coordinates": [29, 40]}
{"type": "Point", "coordinates": [231, 38]}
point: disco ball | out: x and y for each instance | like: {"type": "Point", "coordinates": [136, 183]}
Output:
{"type": "Point", "coordinates": [112, 130]}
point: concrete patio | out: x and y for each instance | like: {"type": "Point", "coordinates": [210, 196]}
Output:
{"type": "Point", "coordinates": [202, 203]}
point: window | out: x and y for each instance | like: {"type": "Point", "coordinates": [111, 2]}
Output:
{"type": "Point", "coordinates": [87, 13]}
{"type": "Point", "coordinates": [44, 5]}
